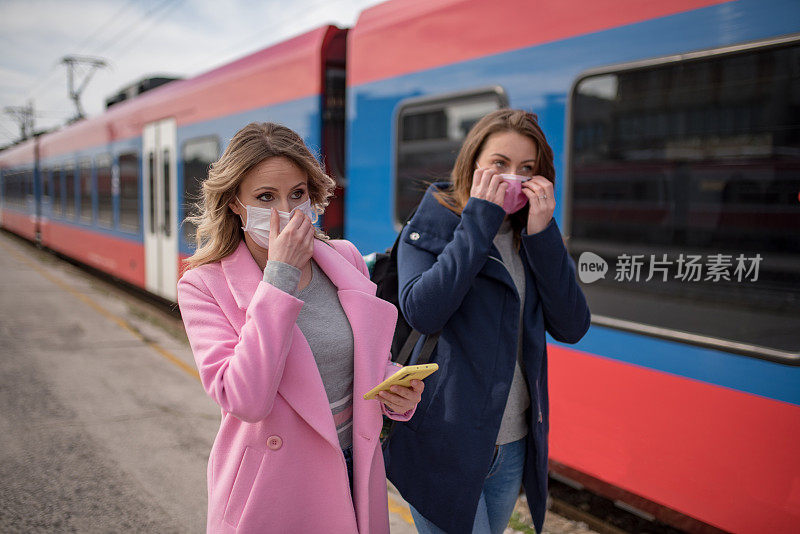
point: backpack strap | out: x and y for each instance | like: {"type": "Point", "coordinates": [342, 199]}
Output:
{"type": "Point", "coordinates": [413, 337]}
{"type": "Point", "coordinates": [411, 342]}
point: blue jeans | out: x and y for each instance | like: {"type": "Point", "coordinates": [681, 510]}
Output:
{"type": "Point", "coordinates": [500, 492]}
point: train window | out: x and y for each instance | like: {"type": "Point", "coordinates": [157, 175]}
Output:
{"type": "Point", "coordinates": [429, 133]}
{"type": "Point", "coordinates": [86, 191]}
{"type": "Point", "coordinates": [27, 181]}
{"type": "Point", "coordinates": [58, 193]}
{"type": "Point", "coordinates": [167, 189]}
{"type": "Point", "coordinates": [11, 186]}
{"type": "Point", "coordinates": [151, 177]}
{"type": "Point", "coordinates": [129, 192]}
{"type": "Point", "coordinates": [46, 187]}
{"type": "Point", "coordinates": [198, 155]}
{"type": "Point", "coordinates": [105, 215]}
{"type": "Point", "coordinates": [685, 179]}
{"type": "Point", "coordinates": [69, 186]}
{"type": "Point", "coordinates": [19, 190]}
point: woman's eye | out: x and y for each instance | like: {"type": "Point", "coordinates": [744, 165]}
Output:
{"type": "Point", "coordinates": [265, 197]}
{"type": "Point", "coordinates": [527, 169]}
{"type": "Point", "coordinates": [499, 163]}
{"type": "Point", "coordinates": [298, 194]}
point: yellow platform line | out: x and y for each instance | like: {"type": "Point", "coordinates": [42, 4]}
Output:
{"type": "Point", "coordinates": [403, 511]}
{"type": "Point", "coordinates": [111, 316]}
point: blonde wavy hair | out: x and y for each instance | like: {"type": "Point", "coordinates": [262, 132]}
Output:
{"type": "Point", "coordinates": [219, 229]}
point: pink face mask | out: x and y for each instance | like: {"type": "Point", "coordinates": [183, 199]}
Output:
{"type": "Point", "coordinates": [515, 198]}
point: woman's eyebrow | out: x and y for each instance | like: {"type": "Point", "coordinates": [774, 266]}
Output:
{"type": "Point", "coordinates": [509, 159]}
{"type": "Point", "coordinates": [270, 188]}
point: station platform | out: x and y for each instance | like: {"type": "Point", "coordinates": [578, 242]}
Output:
{"type": "Point", "coordinates": [104, 426]}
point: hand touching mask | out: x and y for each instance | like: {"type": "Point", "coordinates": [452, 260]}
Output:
{"type": "Point", "coordinates": [258, 224]}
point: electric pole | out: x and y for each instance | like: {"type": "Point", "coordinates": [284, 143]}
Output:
{"type": "Point", "coordinates": [91, 64]}
{"type": "Point", "coordinates": [23, 115]}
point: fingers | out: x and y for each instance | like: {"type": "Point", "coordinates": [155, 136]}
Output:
{"type": "Point", "coordinates": [401, 399]}
{"type": "Point", "coordinates": [539, 191]}
{"type": "Point", "coordinates": [295, 243]}
{"type": "Point", "coordinates": [488, 185]}
{"type": "Point", "coordinates": [541, 187]}
{"type": "Point", "coordinates": [274, 227]}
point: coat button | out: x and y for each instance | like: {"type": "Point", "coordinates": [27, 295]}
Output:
{"type": "Point", "coordinates": [413, 236]}
{"type": "Point", "coordinates": [274, 442]}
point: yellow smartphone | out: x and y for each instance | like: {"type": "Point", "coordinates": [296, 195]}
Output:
{"type": "Point", "coordinates": [403, 377]}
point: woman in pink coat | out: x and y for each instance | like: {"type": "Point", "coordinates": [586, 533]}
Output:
{"type": "Point", "coordinates": [288, 335]}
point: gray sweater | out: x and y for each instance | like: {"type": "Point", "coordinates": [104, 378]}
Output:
{"type": "Point", "coordinates": [327, 330]}
{"type": "Point", "coordinates": [514, 425]}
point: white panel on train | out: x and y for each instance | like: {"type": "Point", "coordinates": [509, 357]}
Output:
{"type": "Point", "coordinates": [160, 192]}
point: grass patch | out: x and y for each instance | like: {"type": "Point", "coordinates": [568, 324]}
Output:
{"type": "Point", "coordinates": [516, 523]}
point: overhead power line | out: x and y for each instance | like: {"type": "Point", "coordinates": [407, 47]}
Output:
{"type": "Point", "coordinates": [73, 63]}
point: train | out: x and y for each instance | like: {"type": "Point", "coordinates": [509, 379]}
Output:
{"type": "Point", "coordinates": [675, 128]}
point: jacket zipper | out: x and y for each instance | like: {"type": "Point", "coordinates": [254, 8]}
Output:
{"type": "Point", "coordinates": [538, 401]}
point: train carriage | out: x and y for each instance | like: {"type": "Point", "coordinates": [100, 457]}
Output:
{"type": "Point", "coordinates": [18, 173]}
{"type": "Point", "coordinates": [676, 136]}
{"type": "Point", "coordinates": [113, 191]}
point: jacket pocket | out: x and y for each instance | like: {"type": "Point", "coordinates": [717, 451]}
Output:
{"type": "Point", "coordinates": [432, 383]}
{"type": "Point", "coordinates": [243, 485]}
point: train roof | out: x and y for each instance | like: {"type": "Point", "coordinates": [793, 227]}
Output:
{"type": "Point", "coordinates": [401, 37]}
{"type": "Point", "coordinates": [287, 71]}
{"type": "Point", "coordinates": [17, 155]}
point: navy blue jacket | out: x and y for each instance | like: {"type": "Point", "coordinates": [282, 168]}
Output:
{"type": "Point", "coordinates": [452, 280]}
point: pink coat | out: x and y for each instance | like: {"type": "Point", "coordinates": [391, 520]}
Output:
{"type": "Point", "coordinates": [276, 464]}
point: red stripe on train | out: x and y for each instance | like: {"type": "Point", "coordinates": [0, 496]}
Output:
{"type": "Point", "coordinates": [119, 257]}
{"type": "Point", "coordinates": [676, 449]}
{"type": "Point", "coordinates": [20, 223]}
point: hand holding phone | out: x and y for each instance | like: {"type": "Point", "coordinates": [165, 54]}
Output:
{"type": "Point", "coordinates": [403, 378]}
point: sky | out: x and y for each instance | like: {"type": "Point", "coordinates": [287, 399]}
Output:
{"type": "Point", "coordinates": [137, 38]}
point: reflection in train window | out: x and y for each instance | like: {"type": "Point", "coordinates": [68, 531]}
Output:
{"type": "Point", "coordinates": [105, 213]}
{"type": "Point", "coordinates": [46, 186]}
{"type": "Point", "coordinates": [58, 193]}
{"type": "Point", "coordinates": [129, 192]}
{"type": "Point", "coordinates": [429, 134]}
{"type": "Point", "coordinates": [69, 192]}
{"type": "Point", "coordinates": [13, 189]}
{"type": "Point", "coordinates": [699, 157]}
{"type": "Point", "coordinates": [198, 155]}
{"type": "Point", "coordinates": [86, 190]}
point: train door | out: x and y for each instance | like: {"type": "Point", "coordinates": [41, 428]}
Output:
{"type": "Point", "coordinates": [160, 208]}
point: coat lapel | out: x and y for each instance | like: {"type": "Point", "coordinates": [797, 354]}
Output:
{"type": "Point", "coordinates": [371, 319]}
{"type": "Point", "coordinates": [242, 274]}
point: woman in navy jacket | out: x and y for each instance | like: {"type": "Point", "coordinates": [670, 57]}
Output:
{"type": "Point", "coordinates": [483, 262]}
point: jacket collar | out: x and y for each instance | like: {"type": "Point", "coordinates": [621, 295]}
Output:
{"type": "Point", "coordinates": [436, 219]}
{"type": "Point", "coordinates": [243, 275]}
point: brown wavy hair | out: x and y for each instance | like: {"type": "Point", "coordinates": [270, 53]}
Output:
{"type": "Point", "coordinates": [218, 228]}
{"type": "Point", "coordinates": [455, 197]}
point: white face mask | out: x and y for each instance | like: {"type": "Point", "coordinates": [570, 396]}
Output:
{"type": "Point", "coordinates": [258, 220]}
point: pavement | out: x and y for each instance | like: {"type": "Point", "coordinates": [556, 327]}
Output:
{"type": "Point", "coordinates": [104, 426]}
